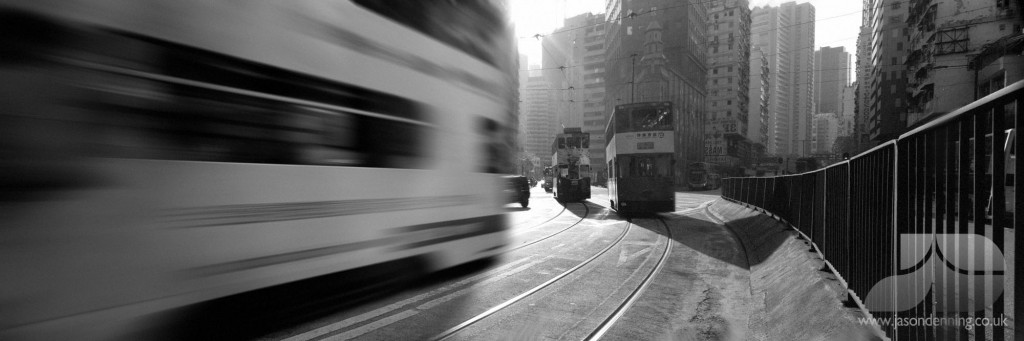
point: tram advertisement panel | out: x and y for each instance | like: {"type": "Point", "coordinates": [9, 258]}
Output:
{"type": "Point", "coordinates": [644, 142]}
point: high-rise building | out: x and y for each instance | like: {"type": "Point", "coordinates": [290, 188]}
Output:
{"type": "Point", "coordinates": [860, 135]}
{"type": "Point", "coordinates": [759, 119]}
{"type": "Point", "coordinates": [681, 34]}
{"type": "Point", "coordinates": [786, 35]}
{"type": "Point", "coordinates": [831, 75]}
{"type": "Point", "coordinates": [574, 61]}
{"type": "Point", "coordinates": [952, 50]}
{"type": "Point", "coordinates": [728, 84]}
{"type": "Point", "coordinates": [848, 111]}
{"type": "Point", "coordinates": [538, 117]}
{"type": "Point", "coordinates": [887, 97]}
{"type": "Point", "coordinates": [825, 128]}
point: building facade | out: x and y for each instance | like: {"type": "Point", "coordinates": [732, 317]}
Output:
{"type": "Point", "coordinates": [831, 75]}
{"type": "Point", "coordinates": [825, 128]}
{"type": "Point", "coordinates": [944, 39]}
{"type": "Point", "coordinates": [759, 119]}
{"type": "Point", "coordinates": [786, 35]}
{"type": "Point", "coordinates": [887, 98]}
{"type": "Point", "coordinates": [861, 136]}
{"type": "Point", "coordinates": [575, 61]}
{"type": "Point", "coordinates": [538, 120]}
{"type": "Point", "coordinates": [728, 88]}
{"type": "Point", "coordinates": [681, 31]}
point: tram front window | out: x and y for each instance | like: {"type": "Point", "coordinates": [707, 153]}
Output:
{"type": "Point", "coordinates": [652, 118]}
{"type": "Point", "coordinates": [647, 166]}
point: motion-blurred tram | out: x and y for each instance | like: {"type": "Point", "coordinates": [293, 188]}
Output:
{"type": "Point", "coordinates": [641, 157]}
{"type": "Point", "coordinates": [570, 161]}
{"type": "Point", "coordinates": [158, 154]}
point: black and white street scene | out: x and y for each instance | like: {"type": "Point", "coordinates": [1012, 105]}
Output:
{"type": "Point", "coordinates": [692, 170]}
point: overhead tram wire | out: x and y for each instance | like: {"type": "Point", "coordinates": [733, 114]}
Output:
{"type": "Point", "coordinates": [634, 14]}
{"type": "Point", "coordinates": [706, 43]}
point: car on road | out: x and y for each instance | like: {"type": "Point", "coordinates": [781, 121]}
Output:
{"type": "Point", "coordinates": [517, 189]}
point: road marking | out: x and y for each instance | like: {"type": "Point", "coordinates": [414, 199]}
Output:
{"type": "Point", "coordinates": [558, 246]}
{"type": "Point", "coordinates": [372, 326]}
{"type": "Point", "coordinates": [394, 306]}
{"type": "Point", "coordinates": [626, 257]}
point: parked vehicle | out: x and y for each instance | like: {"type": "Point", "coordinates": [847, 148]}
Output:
{"type": "Point", "coordinates": [518, 189]}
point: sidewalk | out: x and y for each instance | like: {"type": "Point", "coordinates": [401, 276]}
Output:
{"type": "Point", "coordinates": [796, 300]}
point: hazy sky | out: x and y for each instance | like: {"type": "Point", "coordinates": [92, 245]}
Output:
{"type": "Point", "coordinates": [837, 22]}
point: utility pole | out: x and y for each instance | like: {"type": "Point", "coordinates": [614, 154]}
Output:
{"type": "Point", "coordinates": [632, 80]}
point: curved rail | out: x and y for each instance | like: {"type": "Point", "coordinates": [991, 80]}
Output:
{"type": "Point", "coordinates": [585, 214]}
{"type": "Point", "coordinates": [451, 331]}
{"type": "Point", "coordinates": [608, 322]}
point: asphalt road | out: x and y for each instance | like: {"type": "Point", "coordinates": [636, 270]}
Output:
{"type": "Point", "coordinates": [573, 272]}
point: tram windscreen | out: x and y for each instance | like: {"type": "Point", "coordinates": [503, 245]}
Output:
{"type": "Point", "coordinates": [646, 166]}
{"type": "Point", "coordinates": [652, 118]}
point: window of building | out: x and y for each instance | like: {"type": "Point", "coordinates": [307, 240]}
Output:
{"type": "Point", "coordinates": [951, 41]}
{"type": "Point", "coordinates": [896, 5]}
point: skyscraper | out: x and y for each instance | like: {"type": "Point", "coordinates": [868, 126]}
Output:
{"type": "Point", "coordinates": [574, 57]}
{"type": "Point", "coordinates": [786, 35]}
{"type": "Point", "coordinates": [538, 117]}
{"type": "Point", "coordinates": [728, 83]}
{"type": "Point", "coordinates": [831, 75]}
{"type": "Point", "coordinates": [887, 88]}
{"type": "Point", "coordinates": [759, 119]}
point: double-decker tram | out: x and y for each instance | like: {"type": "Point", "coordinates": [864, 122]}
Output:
{"type": "Point", "coordinates": [640, 152]}
{"type": "Point", "coordinates": [156, 155]}
{"type": "Point", "coordinates": [703, 175]}
{"type": "Point", "coordinates": [570, 161]}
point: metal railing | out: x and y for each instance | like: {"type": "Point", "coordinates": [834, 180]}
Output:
{"type": "Point", "coordinates": [873, 217]}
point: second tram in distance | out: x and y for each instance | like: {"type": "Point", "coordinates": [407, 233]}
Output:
{"type": "Point", "coordinates": [703, 176]}
{"type": "Point", "coordinates": [641, 156]}
{"type": "Point", "coordinates": [570, 159]}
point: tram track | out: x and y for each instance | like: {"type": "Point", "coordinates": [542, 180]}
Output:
{"type": "Point", "coordinates": [452, 290]}
{"type": "Point", "coordinates": [636, 293]}
{"type": "Point", "coordinates": [609, 321]}
{"type": "Point", "coordinates": [564, 208]}
{"type": "Point", "coordinates": [586, 213]}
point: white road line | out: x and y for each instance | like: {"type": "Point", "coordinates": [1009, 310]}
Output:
{"type": "Point", "coordinates": [372, 326]}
